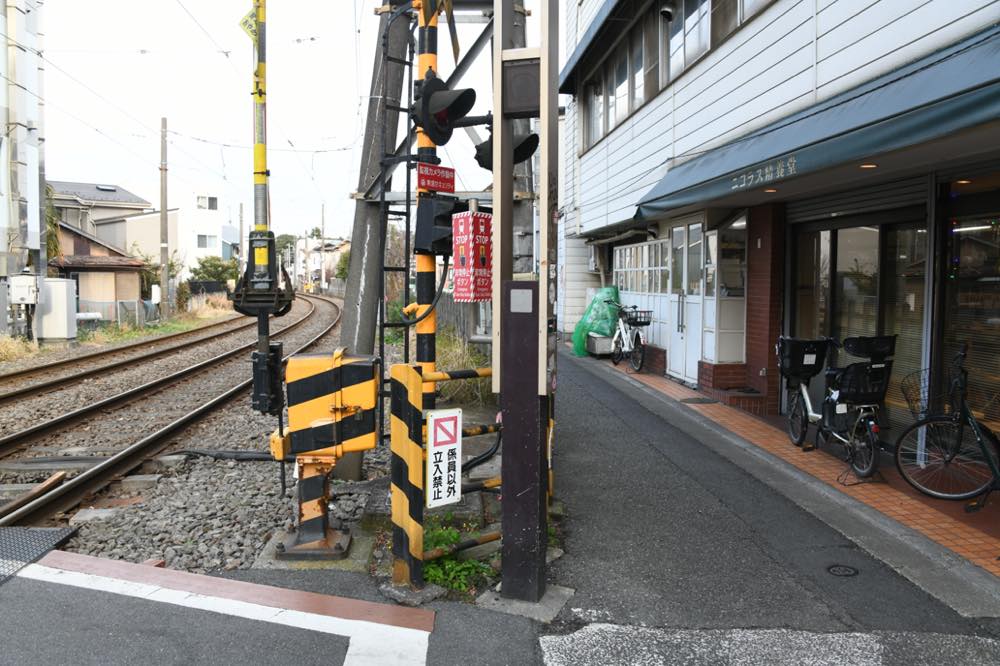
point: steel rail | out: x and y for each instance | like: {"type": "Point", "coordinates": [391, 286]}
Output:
{"type": "Point", "coordinates": [12, 441]}
{"type": "Point", "coordinates": [72, 492]}
{"type": "Point", "coordinates": [52, 365]}
{"type": "Point", "coordinates": [55, 383]}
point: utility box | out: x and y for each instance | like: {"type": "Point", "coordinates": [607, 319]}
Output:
{"type": "Point", "coordinates": [56, 314]}
{"type": "Point", "coordinates": [23, 289]}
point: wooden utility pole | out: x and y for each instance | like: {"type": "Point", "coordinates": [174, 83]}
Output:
{"type": "Point", "coordinates": [164, 227]}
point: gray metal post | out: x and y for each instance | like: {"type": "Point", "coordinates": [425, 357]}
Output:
{"type": "Point", "coordinates": [164, 227]}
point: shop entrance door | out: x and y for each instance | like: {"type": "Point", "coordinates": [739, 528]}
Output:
{"type": "Point", "coordinates": [684, 305]}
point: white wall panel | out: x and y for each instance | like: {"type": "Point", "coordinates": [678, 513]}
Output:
{"type": "Point", "coordinates": [794, 54]}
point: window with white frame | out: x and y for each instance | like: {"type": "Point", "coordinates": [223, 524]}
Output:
{"type": "Point", "coordinates": [208, 203]}
{"type": "Point", "coordinates": [651, 53]}
{"type": "Point", "coordinates": [205, 241]}
{"type": "Point", "coordinates": [643, 267]}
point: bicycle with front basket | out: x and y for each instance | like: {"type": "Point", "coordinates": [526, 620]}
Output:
{"type": "Point", "coordinates": [628, 339]}
{"type": "Point", "coordinates": [854, 394]}
{"type": "Point", "coordinates": [948, 453]}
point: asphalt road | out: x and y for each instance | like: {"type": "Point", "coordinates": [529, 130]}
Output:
{"type": "Point", "coordinates": [677, 554]}
{"type": "Point", "coordinates": [662, 532]}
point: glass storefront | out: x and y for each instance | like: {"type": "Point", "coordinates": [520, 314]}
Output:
{"type": "Point", "coordinates": [971, 292]}
{"type": "Point", "coordinates": [861, 280]}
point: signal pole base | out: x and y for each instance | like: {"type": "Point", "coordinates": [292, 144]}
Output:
{"type": "Point", "coordinates": [334, 546]}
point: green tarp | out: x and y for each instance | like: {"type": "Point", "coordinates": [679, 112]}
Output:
{"type": "Point", "coordinates": [599, 318]}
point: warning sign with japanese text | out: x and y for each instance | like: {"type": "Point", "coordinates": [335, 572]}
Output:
{"type": "Point", "coordinates": [435, 178]}
{"type": "Point", "coordinates": [443, 481]}
{"type": "Point", "coordinates": [472, 256]}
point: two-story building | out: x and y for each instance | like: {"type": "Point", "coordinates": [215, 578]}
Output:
{"type": "Point", "coordinates": [752, 168]}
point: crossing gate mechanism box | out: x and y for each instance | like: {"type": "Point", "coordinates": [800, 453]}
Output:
{"type": "Point", "coordinates": [472, 256]}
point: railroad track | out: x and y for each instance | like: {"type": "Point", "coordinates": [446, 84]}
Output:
{"type": "Point", "coordinates": [75, 368]}
{"type": "Point", "coordinates": [99, 475]}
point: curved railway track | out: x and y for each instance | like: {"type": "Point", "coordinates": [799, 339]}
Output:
{"type": "Point", "coordinates": [13, 386]}
{"type": "Point", "coordinates": [133, 454]}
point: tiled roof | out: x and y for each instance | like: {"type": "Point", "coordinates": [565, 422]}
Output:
{"type": "Point", "coordinates": [93, 261]}
{"type": "Point", "coordinates": [97, 193]}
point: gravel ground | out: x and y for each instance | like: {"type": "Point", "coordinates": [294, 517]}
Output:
{"type": "Point", "coordinates": [108, 432]}
{"type": "Point", "coordinates": [206, 515]}
{"type": "Point", "coordinates": [48, 354]}
{"type": "Point", "coordinates": [211, 514]}
{"type": "Point", "coordinates": [98, 387]}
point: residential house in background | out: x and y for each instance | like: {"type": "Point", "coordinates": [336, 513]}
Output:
{"type": "Point", "coordinates": [82, 205]}
{"type": "Point", "coordinates": [107, 278]}
{"type": "Point", "coordinates": [138, 233]}
{"type": "Point", "coordinates": [311, 255]}
{"type": "Point", "coordinates": [751, 168]}
{"type": "Point", "coordinates": [206, 230]}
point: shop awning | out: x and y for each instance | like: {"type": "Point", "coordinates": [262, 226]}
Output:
{"type": "Point", "coordinates": [567, 82]}
{"type": "Point", "coordinates": [948, 91]}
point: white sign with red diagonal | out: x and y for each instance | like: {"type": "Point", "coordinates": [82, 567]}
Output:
{"type": "Point", "coordinates": [443, 480]}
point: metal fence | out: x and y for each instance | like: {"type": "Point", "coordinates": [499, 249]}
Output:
{"type": "Point", "coordinates": [129, 313]}
{"type": "Point", "coordinates": [471, 321]}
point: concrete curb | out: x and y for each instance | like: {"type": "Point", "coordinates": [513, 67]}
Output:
{"type": "Point", "coordinates": [945, 575]}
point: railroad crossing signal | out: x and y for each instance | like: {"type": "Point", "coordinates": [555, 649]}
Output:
{"type": "Point", "coordinates": [525, 146]}
{"type": "Point", "coordinates": [433, 233]}
{"type": "Point", "coordinates": [438, 109]}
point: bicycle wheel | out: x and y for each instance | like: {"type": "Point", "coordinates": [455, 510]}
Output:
{"type": "Point", "coordinates": [940, 457]}
{"type": "Point", "coordinates": [616, 352]}
{"type": "Point", "coordinates": [864, 449]}
{"type": "Point", "coordinates": [638, 354]}
{"type": "Point", "coordinates": [798, 420]}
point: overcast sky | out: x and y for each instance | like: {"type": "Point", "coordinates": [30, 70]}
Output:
{"type": "Point", "coordinates": [116, 66]}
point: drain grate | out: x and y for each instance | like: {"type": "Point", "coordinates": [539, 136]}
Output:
{"type": "Point", "coordinates": [699, 401]}
{"type": "Point", "coordinates": [20, 546]}
{"type": "Point", "coordinates": [841, 570]}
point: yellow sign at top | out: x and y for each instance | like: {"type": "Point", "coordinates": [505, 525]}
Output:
{"type": "Point", "coordinates": [249, 24]}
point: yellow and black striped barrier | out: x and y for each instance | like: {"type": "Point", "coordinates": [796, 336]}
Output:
{"type": "Point", "coordinates": [332, 407]}
{"type": "Point", "coordinates": [406, 429]}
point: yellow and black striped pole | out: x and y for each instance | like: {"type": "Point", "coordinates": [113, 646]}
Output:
{"type": "Point", "coordinates": [261, 208]}
{"type": "Point", "coordinates": [427, 27]}
{"type": "Point", "coordinates": [406, 428]}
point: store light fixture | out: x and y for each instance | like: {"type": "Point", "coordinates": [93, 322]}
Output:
{"type": "Point", "coordinates": [770, 190]}
{"type": "Point", "coordinates": [869, 165]}
{"type": "Point", "coordinates": [964, 181]}
{"type": "Point", "coordinates": [978, 227]}
{"type": "Point", "coordinates": [739, 224]}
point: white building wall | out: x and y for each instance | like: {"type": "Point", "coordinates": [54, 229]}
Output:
{"type": "Point", "coordinates": [792, 55]}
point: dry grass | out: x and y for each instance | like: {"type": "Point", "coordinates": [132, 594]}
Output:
{"type": "Point", "coordinates": [210, 307]}
{"type": "Point", "coordinates": [12, 349]}
{"type": "Point", "coordinates": [454, 353]}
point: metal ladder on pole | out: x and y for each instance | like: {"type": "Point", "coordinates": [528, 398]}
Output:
{"type": "Point", "coordinates": [387, 212]}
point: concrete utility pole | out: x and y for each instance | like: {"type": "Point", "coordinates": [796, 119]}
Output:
{"type": "Point", "coordinates": [322, 248]}
{"type": "Point", "coordinates": [164, 227]}
{"type": "Point", "coordinates": [362, 296]}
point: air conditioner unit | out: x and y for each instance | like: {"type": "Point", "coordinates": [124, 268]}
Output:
{"type": "Point", "coordinates": [593, 262]}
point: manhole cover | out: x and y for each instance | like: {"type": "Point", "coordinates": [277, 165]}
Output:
{"type": "Point", "coordinates": [842, 570]}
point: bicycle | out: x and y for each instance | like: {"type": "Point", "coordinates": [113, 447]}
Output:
{"type": "Point", "coordinates": [947, 453]}
{"type": "Point", "coordinates": [853, 397]}
{"type": "Point", "coordinates": [628, 339]}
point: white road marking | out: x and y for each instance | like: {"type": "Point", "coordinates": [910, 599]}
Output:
{"type": "Point", "coordinates": [610, 645]}
{"type": "Point", "coordinates": [371, 644]}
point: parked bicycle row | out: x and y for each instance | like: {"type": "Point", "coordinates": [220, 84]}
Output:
{"type": "Point", "coordinates": [946, 453]}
